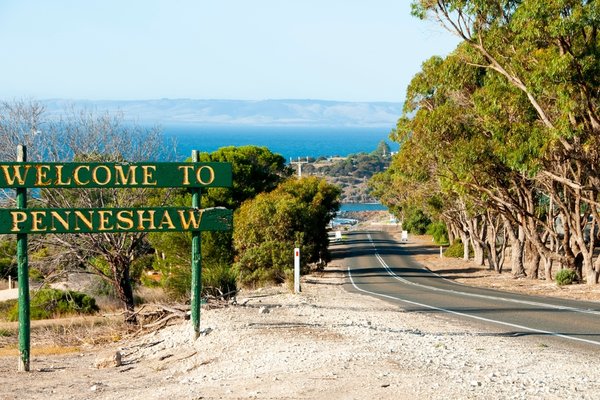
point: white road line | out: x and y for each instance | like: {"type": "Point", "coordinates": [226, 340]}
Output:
{"type": "Point", "coordinates": [481, 296]}
{"type": "Point", "coordinates": [456, 312]}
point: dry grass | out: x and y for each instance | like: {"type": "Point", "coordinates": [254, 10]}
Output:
{"type": "Point", "coordinates": [64, 335]}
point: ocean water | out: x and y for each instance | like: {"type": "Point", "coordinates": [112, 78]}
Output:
{"type": "Point", "coordinates": [289, 141]}
{"type": "Point", "coordinates": [350, 207]}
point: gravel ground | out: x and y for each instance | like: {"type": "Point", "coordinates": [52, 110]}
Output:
{"type": "Point", "coordinates": [323, 343]}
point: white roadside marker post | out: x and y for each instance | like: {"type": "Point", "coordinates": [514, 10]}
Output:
{"type": "Point", "coordinates": [296, 270]}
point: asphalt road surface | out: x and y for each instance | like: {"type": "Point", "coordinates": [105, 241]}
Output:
{"type": "Point", "coordinates": [380, 266]}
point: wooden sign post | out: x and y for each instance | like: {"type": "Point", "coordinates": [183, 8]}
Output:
{"type": "Point", "coordinates": [22, 221]}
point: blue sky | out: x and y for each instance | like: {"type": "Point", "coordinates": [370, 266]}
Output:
{"type": "Point", "coordinates": [349, 50]}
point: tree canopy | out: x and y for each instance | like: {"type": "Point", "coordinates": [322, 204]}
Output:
{"type": "Point", "coordinates": [503, 132]}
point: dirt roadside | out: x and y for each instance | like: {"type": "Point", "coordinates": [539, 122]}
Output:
{"type": "Point", "coordinates": [324, 342]}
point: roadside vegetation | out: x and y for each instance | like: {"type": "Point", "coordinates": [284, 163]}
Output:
{"type": "Point", "coordinates": [500, 139]}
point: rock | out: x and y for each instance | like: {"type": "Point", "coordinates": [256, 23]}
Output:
{"type": "Point", "coordinates": [264, 310]}
{"type": "Point", "coordinates": [108, 360]}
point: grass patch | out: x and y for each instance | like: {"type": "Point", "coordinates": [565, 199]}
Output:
{"type": "Point", "coordinates": [6, 333]}
{"type": "Point", "coordinates": [50, 350]}
{"type": "Point", "coordinates": [52, 303]}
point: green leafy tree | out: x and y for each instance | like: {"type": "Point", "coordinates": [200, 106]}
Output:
{"type": "Point", "coordinates": [546, 51]}
{"type": "Point", "coordinates": [267, 228]}
{"type": "Point", "coordinates": [255, 170]}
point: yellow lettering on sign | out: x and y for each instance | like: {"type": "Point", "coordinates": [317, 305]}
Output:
{"type": "Point", "coordinates": [78, 180]}
{"type": "Point", "coordinates": [142, 219]}
{"type": "Point", "coordinates": [56, 217]}
{"type": "Point", "coordinates": [37, 221]}
{"type": "Point", "coordinates": [188, 218]}
{"type": "Point", "coordinates": [87, 221]}
{"type": "Point", "coordinates": [211, 175]}
{"type": "Point", "coordinates": [104, 220]}
{"type": "Point", "coordinates": [59, 176]}
{"type": "Point", "coordinates": [107, 173]}
{"type": "Point", "coordinates": [125, 219]}
{"type": "Point", "coordinates": [186, 173]}
{"type": "Point", "coordinates": [18, 217]}
{"type": "Point", "coordinates": [17, 174]}
{"type": "Point", "coordinates": [166, 220]}
{"type": "Point", "coordinates": [148, 177]}
{"type": "Point", "coordinates": [125, 179]}
{"type": "Point", "coordinates": [42, 178]}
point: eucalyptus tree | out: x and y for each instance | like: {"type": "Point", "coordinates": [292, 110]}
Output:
{"type": "Point", "coordinates": [548, 51]}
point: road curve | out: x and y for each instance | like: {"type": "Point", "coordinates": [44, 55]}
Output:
{"type": "Point", "coordinates": [380, 266]}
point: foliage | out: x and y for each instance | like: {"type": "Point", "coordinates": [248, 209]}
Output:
{"type": "Point", "coordinates": [53, 303]}
{"type": "Point", "coordinates": [383, 149]}
{"type": "Point", "coordinates": [255, 170]}
{"type": "Point", "coordinates": [361, 165]}
{"type": "Point", "coordinates": [415, 221]}
{"type": "Point", "coordinates": [219, 280]}
{"type": "Point", "coordinates": [6, 306]}
{"type": "Point", "coordinates": [439, 232]}
{"type": "Point", "coordinates": [455, 250]}
{"type": "Point", "coordinates": [267, 228]}
{"type": "Point", "coordinates": [565, 277]}
{"type": "Point", "coordinates": [505, 130]}
{"type": "Point", "coordinates": [8, 261]}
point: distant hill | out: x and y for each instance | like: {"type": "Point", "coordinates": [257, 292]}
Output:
{"type": "Point", "coordinates": [243, 112]}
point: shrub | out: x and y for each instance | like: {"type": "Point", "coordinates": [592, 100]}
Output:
{"type": "Point", "coordinates": [219, 280]}
{"type": "Point", "coordinates": [6, 307]}
{"type": "Point", "coordinates": [565, 277]}
{"type": "Point", "coordinates": [439, 232]}
{"type": "Point", "coordinates": [455, 250]}
{"type": "Point", "coordinates": [51, 303]}
{"type": "Point", "coordinates": [415, 221]}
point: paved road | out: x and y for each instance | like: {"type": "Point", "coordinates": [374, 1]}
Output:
{"type": "Point", "coordinates": [382, 267]}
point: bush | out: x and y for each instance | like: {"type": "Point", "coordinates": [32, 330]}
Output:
{"type": "Point", "coordinates": [455, 250]}
{"type": "Point", "coordinates": [6, 307]}
{"type": "Point", "coordinates": [565, 277]}
{"type": "Point", "coordinates": [52, 303]}
{"type": "Point", "coordinates": [439, 232]}
{"type": "Point", "coordinates": [415, 221]}
{"type": "Point", "coordinates": [219, 280]}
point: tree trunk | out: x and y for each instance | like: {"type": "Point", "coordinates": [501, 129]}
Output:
{"type": "Point", "coordinates": [516, 257]}
{"type": "Point", "coordinates": [122, 283]}
{"type": "Point", "coordinates": [533, 260]}
{"type": "Point", "coordinates": [516, 249]}
{"type": "Point", "coordinates": [548, 269]}
{"type": "Point", "coordinates": [465, 241]}
{"type": "Point", "coordinates": [478, 252]}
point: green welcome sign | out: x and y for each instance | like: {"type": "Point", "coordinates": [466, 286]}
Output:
{"type": "Point", "coordinates": [22, 221]}
{"type": "Point", "coordinates": [96, 175]}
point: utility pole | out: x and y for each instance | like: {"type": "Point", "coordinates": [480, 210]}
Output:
{"type": "Point", "coordinates": [299, 164]}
